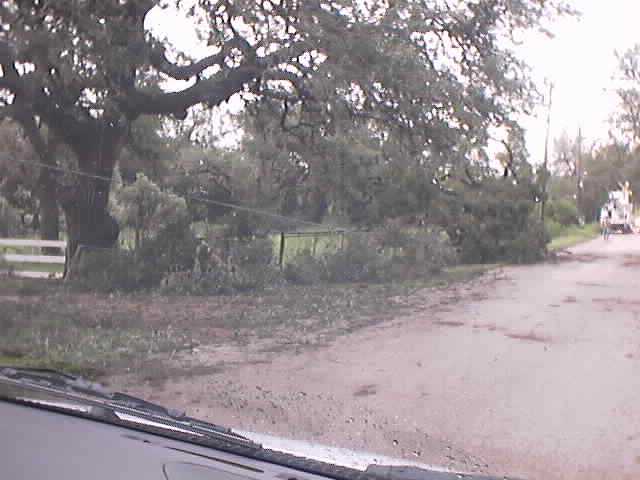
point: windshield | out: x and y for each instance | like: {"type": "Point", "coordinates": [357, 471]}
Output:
{"type": "Point", "coordinates": [401, 228]}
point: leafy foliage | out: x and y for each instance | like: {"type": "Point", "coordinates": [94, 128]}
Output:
{"type": "Point", "coordinates": [145, 208]}
{"type": "Point", "coordinates": [564, 212]}
{"type": "Point", "coordinates": [495, 222]}
{"type": "Point", "coordinates": [171, 249]}
{"type": "Point", "coordinates": [9, 219]}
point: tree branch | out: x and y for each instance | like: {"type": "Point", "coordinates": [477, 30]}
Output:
{"type": "Point", "coordinates": [212, 91]}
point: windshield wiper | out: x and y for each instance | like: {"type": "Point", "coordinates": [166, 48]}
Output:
{"type": "Point", "coordinates": [100, 402]}
{"type": "Point", "coordinates": [58, 391]}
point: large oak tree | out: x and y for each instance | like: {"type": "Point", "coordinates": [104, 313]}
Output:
{"type": "Point", "coordinates": [437, 72]}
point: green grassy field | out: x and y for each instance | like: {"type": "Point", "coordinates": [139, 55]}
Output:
{"type": "Point", "coordinates": [319, 245]}
{"type": "Point", "coordinates": [574, 235]}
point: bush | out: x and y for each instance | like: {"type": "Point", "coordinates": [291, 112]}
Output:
{"type": "Point", "coordinates": [554, 229]}
{"type": "Point", "coordinates": [529, 246]}
{"type": "Point", "coordinates": [254, 265]}
{"type": "Point", "coordinates": [359, 261]}
{"type": "Point", "coordinates": [172, 249]}
{"type": "Point", "coordinates": [564, 211]}
{"type": "Point", "coordinates": [305, 269]}
{"type": "Point", "coordinates": [252, 269]}
{"type": "Point", "coordinates": [106, 271]}
{"type": "Point", "coordinates": [495, 222]}
{"type": "Point", "coordinates": [145, 208]}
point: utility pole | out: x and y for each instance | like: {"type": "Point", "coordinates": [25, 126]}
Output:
{"type": "Point", "coordinates": [545, 168]}
{"type": "Point", "coordinates": [579, 173]}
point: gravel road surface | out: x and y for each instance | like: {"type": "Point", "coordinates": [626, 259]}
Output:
{"type": "Point", "coordinates": [531, 371]}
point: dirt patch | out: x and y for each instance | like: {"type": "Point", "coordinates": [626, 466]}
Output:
{"type": "Point", "coordinates": [613, 302]}
{"type": "Point", "coordinates": [631, 261]}
{"type": "Point", "coordinates": [528, 337]}
{"type": "Point", "coordinates": [366, 390]}
{"type": "Point", "coordinates": [449, 323]}
{"type": "Point", "coordinates": [491, 327]}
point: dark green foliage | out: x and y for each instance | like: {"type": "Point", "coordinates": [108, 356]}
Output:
{"type": "Point", "coordinates": [563, 211]}
{"type": "Point", "coordinates": [495, 222]}
{"type": "Point", "coordinates": [108, 270]}
{"type": "Point", "coordinates": [357, 262]}
{"type": "Point", "coordinates": [254, 265]}
{"type": "Point", "coordinates": [172, 249]}
{"type": "Point", "coordinates": [252, 268]}
{"type": "Point", "coordinates": [305, 269]}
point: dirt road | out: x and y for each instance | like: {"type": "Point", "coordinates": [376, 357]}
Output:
{"type": "Point", "coordinates": [533, 372]}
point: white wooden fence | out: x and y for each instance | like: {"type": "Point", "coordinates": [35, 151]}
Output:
{"type": "Point", "coordinates": [14, 260]}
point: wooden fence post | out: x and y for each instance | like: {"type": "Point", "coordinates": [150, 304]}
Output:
{"type": "Point", "coordinates": [282, 240]}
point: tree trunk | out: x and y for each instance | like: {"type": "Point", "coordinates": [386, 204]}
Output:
{"type": "Point", "coordinates": [85, 202]}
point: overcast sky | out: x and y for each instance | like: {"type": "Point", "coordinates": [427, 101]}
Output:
{"type": "Point", "coordinates": [580, 60]}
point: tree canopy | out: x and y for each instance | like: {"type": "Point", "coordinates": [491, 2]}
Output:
{"type": "Point", "coordinates": [433, 76]}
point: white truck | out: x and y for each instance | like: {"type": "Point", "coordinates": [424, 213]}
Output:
{"type": "Point", "coordinates": [619, 210]}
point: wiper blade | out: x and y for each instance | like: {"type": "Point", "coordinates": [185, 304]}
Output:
{"type": "Point", "coordinates": [125, 406]}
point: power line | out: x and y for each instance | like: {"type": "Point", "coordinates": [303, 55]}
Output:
{"type": "Point", "coordinates": [195, 198]}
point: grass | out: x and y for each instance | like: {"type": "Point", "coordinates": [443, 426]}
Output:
{"type": "Point", "coordinates": [570, 236]}
{"type": "Point", "coordinates": [37, 267]}
{"type": "Point", "coordinates": [45, 324]}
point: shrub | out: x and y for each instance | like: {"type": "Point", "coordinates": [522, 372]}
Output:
{"type": "Point", "coordinates": [564, 211]}
{"type": "Point", "coordinates": [305, 269]}
{"type": "Point", "coordinates": [529, 246]}
{"type": "Point", "coordinates": [252, 269]}
{"type": "Point", "coordinates": [254, 265]}
{"type": "Point", "coordinates": [359, 261]}
{"type": "Point", "coordinates": [106, 271]}
{"type": "Point", "coordinates": [171, 249]}
{"type": "Point", "coordinates": [554, 229]}
{"type": "Point", "coordinates": [145, 208]}
{"type": "Point", "coordinates": [495, 222]}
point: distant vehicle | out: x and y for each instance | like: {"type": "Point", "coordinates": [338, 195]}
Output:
{"type": "Point", "coordinates": [619, 210]}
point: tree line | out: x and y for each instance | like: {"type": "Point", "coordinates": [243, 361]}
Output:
{"type": "Point", "coordinates": [353, 115]}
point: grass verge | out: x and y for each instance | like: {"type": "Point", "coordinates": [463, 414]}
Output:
{"type": "Point", "coordinates": [44, 324]}
{"type": "Point", "coordinates": [573, 235]}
